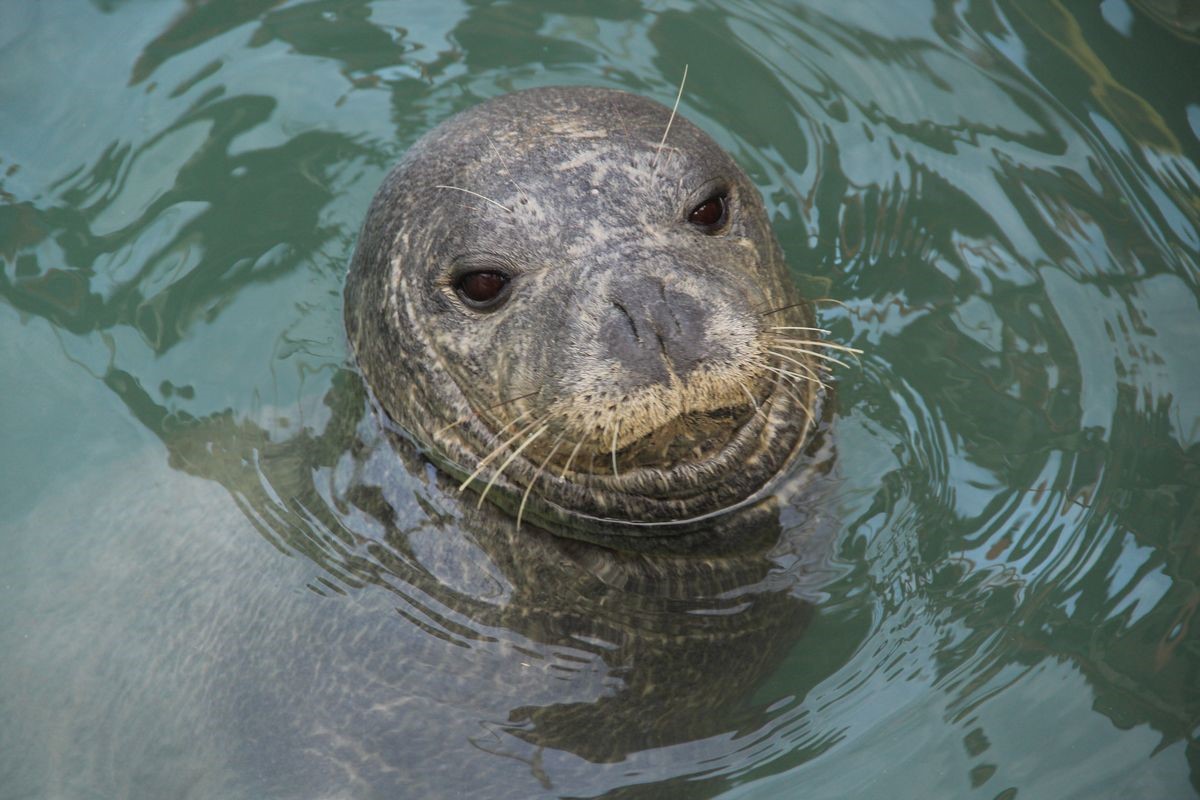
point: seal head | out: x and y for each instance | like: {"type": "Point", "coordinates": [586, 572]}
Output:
{"type": "Point", "coordinates": [588, 322]}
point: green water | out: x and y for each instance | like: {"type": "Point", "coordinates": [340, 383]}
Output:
{"type": "Point", "coordinates": [1003, 199]}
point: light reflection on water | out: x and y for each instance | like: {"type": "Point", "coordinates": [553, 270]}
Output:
{"type": "Point", "coordinates": [220, 584]}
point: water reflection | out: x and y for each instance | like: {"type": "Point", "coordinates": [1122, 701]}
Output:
{"type": "Point", "coordinates": [560, 645]}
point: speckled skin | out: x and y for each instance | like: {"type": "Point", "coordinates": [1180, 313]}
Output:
{"type": "Point", "coordinates": [627, 330]}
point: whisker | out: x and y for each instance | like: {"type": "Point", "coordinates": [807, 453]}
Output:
{"type": "Point", "coordinates": [810, 370]}
{"type": "Point", "coordinates": [814, 354]}
{"type": "Point", "coordinates": [475, 194]}
{"type": "Point", "coordinates": [812, 375]}
{"type": "Point", "coordinates": [793, 375]}
{"type": "Point", "coordinates": [803, 407]}
{"type": "Point", "coordinates": [845, 348]}
{"type": "Point", "coordinates": [500, 159]}
{"type": "Point", "coordinates": [498, 450]}
{"type": "Point", "coordinates": [500, 470]}
{"type": "Point", "coordinates": [783, 308]}
{"type": "Point", "coordinates": [570, 458]}
{"type": "Point", "coordinates": [788, 387]}
{"type": "Point", "coordinates": [514, 421]}
{"type": "Point", "coordinates": [670, 119]}
{"type": "Point", "coordinates": [758, 412]}
{"type": "Point", "coordinates": [616, 431]}
{"type": "Point", "coordinates": [797, 328]}
{"type": "Point", "coordinates": [537, 475]}
{"type": "Point", "coordinates": [461, 420]}
{"type": "Point", "coordinates": [750, 396]}
{"type": "Point", "coordinates": [503, 429]}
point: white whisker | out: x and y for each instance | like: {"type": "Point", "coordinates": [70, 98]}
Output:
{"type": "Point", "coordinates": [570, 458]}
{"type": "Point", "coordinates": [787, 388]}
{"type": "Point", "coordinates": [670, 119]}
{"type": "Point", "coordinates": [814, 354]}
{"type": "Point", "coordinates": [475, 194]}
{"type": "Point", "coordinates": [793, 375]}
{"type": "Point", "coordinates": [749, 396]}
{"type": "Point", "coordinates": [500, 159]}
{"type": "Point", "coordinates": [536, 476]}
{"type": "Point", "coordinates": [468, 418]}
{"type": "Point", "coordinates": [758, 412]}
{"type": "Point", "coordinates": [812, 375]}
{"type": "Point", "coordinates": [497, 451]}
{"type": "Point", "coordinates": [500, 470]}
{"type": "Point", "coordinates": [820, 343]}
{"type": "Point", "coordinates": [616, 431]}
{"type": "Point", "coordinates": [798, 328]}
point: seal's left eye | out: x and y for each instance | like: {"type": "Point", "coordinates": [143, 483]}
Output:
{"type": "Point", "coordinates": [482, 290]}
{"type": "Point", "coordinates": [710, 215]}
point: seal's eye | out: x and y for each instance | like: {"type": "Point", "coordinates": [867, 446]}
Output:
{"type": "Point", "coordinates": [710, 215]}
{"type": "Point", "coordinates": [482, 290]}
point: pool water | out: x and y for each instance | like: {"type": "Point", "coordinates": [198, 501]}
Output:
{"type": "Point", "coordinates": [218, 582]}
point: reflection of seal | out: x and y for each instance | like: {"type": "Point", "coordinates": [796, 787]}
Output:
{"type": "Point", "coordinates": [575, 300]}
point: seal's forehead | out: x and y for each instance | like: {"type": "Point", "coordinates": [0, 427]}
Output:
{"type": "Point", "coordinates": [589, 150]}
{"type": "Point", "coordinates": [571, 108]}
{"type": "Point", "coordinates": [555, 163]}
{"type": "Point", "coordinates": [556, 125]}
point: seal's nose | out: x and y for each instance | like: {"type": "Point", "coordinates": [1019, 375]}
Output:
{"type": "Point", "coordinates": [655, 331]}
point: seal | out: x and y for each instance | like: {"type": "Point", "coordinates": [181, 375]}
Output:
{"type": "Point", "coordinates": [574, 300]}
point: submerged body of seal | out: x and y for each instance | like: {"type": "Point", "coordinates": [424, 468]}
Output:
{"type": "Point", "coordinates": [574, 299]}
{"type": "Point", "coordinates": [606, 335]}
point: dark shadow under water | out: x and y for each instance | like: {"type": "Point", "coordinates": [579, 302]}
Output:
{"type": "Point", "coordinates": [398, 640]}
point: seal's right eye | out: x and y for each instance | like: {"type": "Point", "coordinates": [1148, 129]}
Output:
{"type": "Point", "coordinates": [710, 215]}
{"type": "Point", "coordinates": [482, 290]}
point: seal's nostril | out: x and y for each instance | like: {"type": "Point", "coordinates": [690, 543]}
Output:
{"type": "Point", "coordinates": [629, 318]}
{"type": "Point", "coordinates": [655, 333]}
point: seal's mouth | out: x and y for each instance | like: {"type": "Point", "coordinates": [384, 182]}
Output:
{"type": "Point", "coordinates": [688, 470]}
{"type": "Point", "coordinates": [681, 475]}
{"type": "Point", "coordinates": [691, 438]}
{"type": "Point", "coordinates": [602, 438]}
{"type": "Point", "coordinates": [695, 453]}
